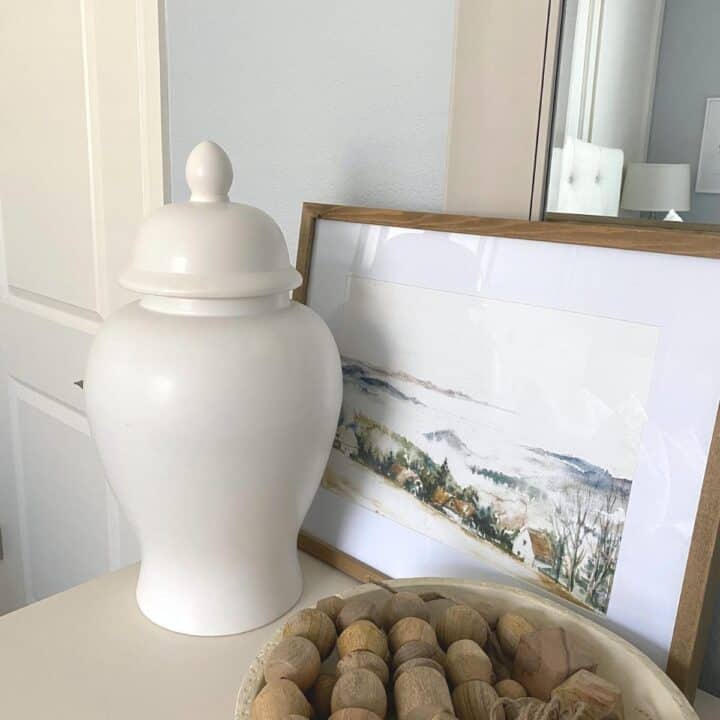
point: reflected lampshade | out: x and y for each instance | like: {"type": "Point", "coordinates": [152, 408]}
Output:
{"type": "Point", "coordinates": [655, 187]}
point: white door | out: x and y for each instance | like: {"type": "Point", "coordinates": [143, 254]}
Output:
{"type": "Point", "coordinates": [80, 164]}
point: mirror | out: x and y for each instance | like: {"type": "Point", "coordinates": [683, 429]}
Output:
{"type": "Point", "coordinates": [636, 123]}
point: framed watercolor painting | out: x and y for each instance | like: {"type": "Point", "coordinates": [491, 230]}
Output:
{"type": "Point", "coordinates": [530, 403]}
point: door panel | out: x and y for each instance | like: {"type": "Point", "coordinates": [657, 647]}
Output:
{"type": "Point", "coordinates": [45, 183]}
{"type": "Point", "coordinates": [12, 584]}
{"type": "Point", "coordinates": [46, 349]}
{"type": "Point", "coordinates": [65, 526]}
{"type": "Point", "coordinates": [80, 164]}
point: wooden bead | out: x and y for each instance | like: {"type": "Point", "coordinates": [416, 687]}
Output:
{"type": "Point", "coordinates": [600, 697]}
{"type": "Point", "coordinates": [510, 628]}
{"type": "Point", "coordinates": [500, 672]}
{"type": "Point", "coordinates": [358, 608]}
{"type": "Point", "coordinates": [316, 626]}
{"type": "Point", "coordinates": [466, 660]}
{"type": "Point", "coordinates": [402, 605]}
{"type": "Point", "coordinates": [430, 712]}
{"type": "Point", "coordinates": [295, 659]}
{"type": "Point", "coordinates": [475, 700]}
{"type": "Point", "coordinates": [320, 695]}
{"type": "Point", "coordinates": [418, 662]}
{"type": "Point", "coordinates": [500, 661]}
{"type": "Point", "coordinates": [409, 629]}
{"type": "Point", "coordinates": [362, 635]}
{"type": "Point", "coordinates": [359, 689]}
{"type": "Point", "coordinates": [421, 687]}
{"type": "Point", "coordinates": [354, 714]}
{"type": "Point", "coordinates": [488, 610]}
{"type": "Point", "coordinates": [418, 649]}
{"type": "Point", "coordinates": [436, 608]}
{"type": "Point", "coordinates": [545, 658]}
{"type": "Point", "coordinates": [277, 700]}
{"type": "Point", "coordinates": [366, 660]}
{"type": "Point", "coordinates": [331, 606]}
{"type": "Point", "coordinates": [510, 689]}
{"type": "Point", "coordinates": [461, 622]}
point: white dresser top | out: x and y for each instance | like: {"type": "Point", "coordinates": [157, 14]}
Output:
{"type": "Point", "coordinates": [89, 654]}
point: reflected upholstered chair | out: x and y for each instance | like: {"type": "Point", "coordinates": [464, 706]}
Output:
{"type": "Point", "coordinates": [585, 179]}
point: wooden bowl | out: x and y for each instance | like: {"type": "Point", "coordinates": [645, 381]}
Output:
{"type": "Point", "coordinates": [648, 694]}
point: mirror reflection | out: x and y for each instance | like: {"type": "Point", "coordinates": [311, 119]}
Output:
{"type": "Point", "coordinates": [636, 127]}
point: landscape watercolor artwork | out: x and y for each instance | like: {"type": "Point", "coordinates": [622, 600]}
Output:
{"type": "Point", "coordinates": [506, 430]}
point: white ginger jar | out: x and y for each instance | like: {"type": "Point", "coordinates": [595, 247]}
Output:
{"type": "Point", "coordinates": [213, 401]}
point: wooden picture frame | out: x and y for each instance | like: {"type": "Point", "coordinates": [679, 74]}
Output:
{"type": "Point", "coordinates": [702, 571]}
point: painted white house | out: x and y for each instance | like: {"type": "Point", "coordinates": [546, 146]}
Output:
{"type": "Point", "coordinates": [533, 546]}
{"type": "Point", "coordinates": [522, 546]}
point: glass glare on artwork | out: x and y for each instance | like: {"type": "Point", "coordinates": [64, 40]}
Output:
{"type": "Point", "coordinates": [424, 439]}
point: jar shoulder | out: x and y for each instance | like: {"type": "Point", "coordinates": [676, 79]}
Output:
{"type": "Point", "coordinates": [294, 339]}
{"type": "Point", "coordinates": [133, 321]}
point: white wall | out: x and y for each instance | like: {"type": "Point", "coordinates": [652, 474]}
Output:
{"type": "Point", "coordinates": [319, 100]}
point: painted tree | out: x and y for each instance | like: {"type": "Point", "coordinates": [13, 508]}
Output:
{"type": "Point", "coordinates": [470, 494]}
{"type": "Point", "coordinates": [571, 517]}
{"type": "Point", "coordinates": [438, 477]}
{"type": "Point", "coordinates": [559, 544]}
{"type": "Point", "coordinates": [443, 474]}
{"type": "Point", "coordinates": [603, 561]}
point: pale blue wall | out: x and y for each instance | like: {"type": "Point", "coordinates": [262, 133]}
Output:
{"type": "Point", "coordinates": [688, 73]}
{"type": "Point", "coordinates": [341, 101]}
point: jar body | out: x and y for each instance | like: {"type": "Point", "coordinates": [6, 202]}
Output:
{"type": "Point", "coordinates": [214, 431]}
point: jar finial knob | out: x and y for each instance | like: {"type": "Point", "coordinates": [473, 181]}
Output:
{"type": "Point", "coordinates": [208, 172]}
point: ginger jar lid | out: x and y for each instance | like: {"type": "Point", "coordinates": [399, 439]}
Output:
{"type": "Point", "coordinates": [210, 247]}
